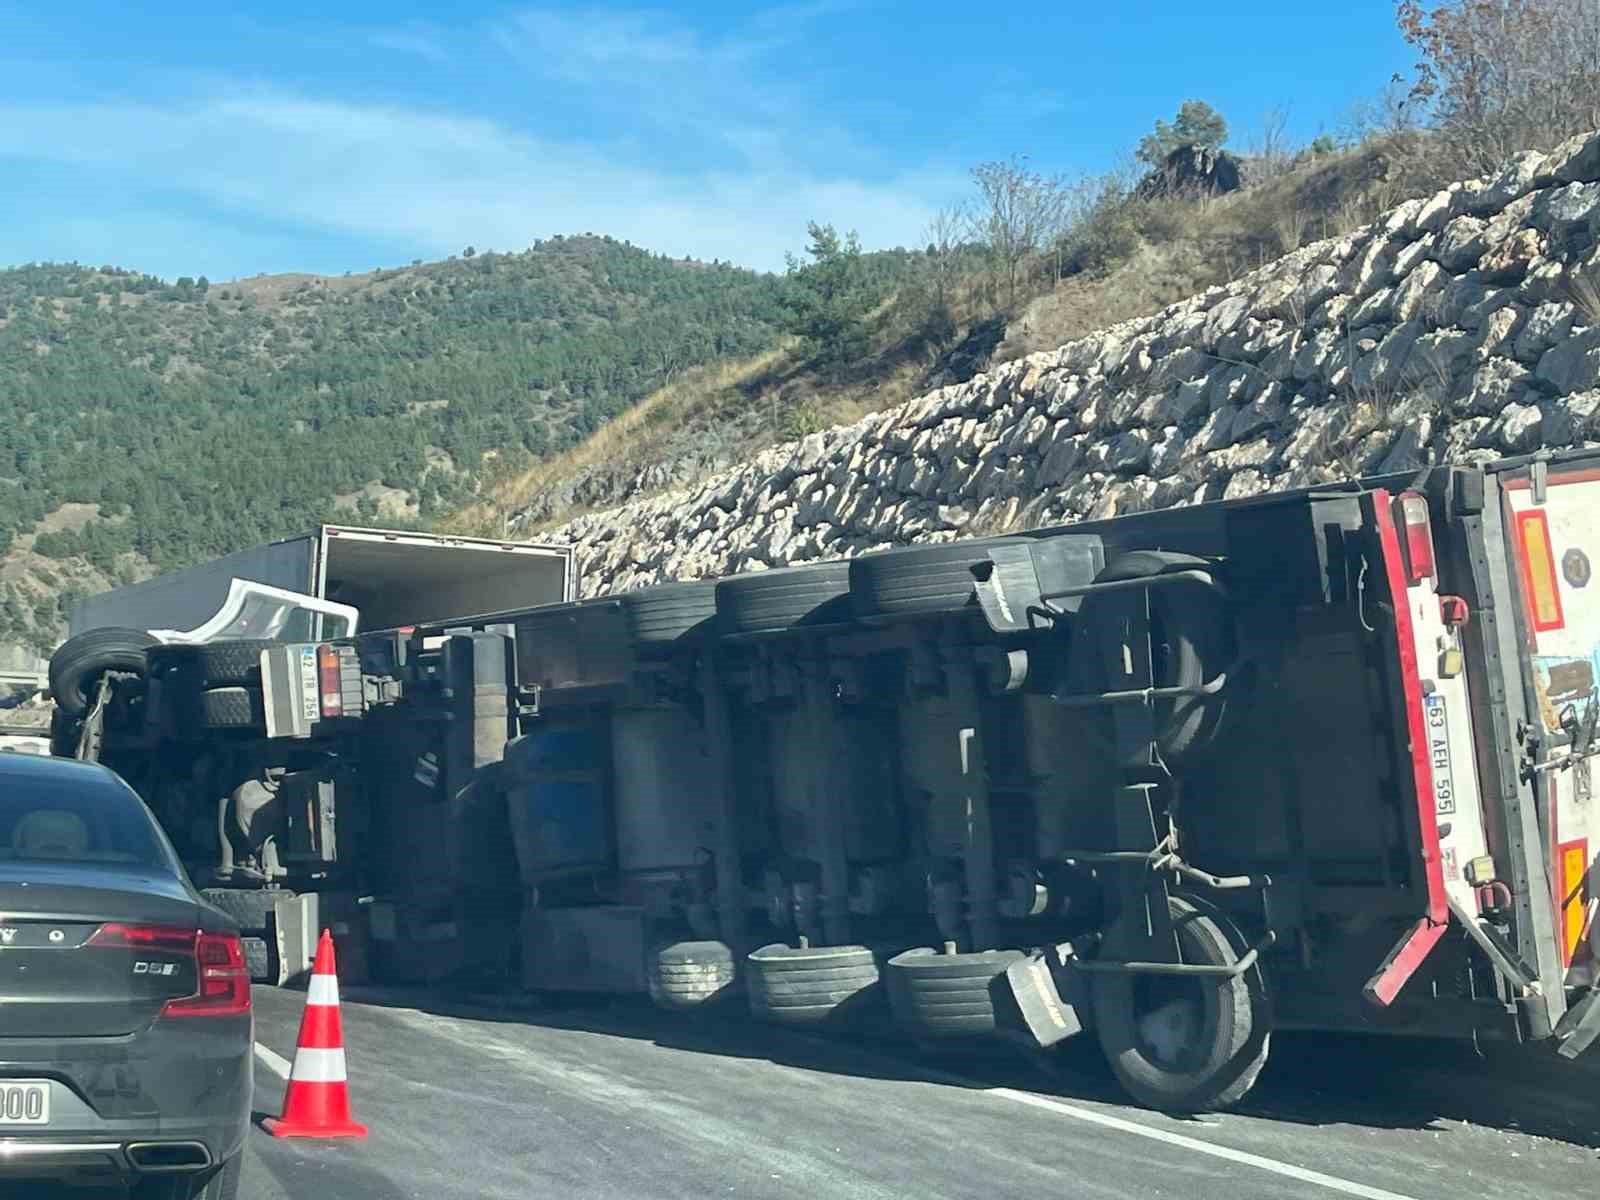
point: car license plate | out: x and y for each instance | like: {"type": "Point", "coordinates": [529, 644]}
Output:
{"type": "Point", "coordinates": [24, 1103]}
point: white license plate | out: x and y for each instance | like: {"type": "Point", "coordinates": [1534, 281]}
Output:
{"type": "Point", "coordinates": [24, 1104]}
{"type": "Point", "coordinates": [310, 686]}
{"type": "Point", "coordinates": [1438, 730]}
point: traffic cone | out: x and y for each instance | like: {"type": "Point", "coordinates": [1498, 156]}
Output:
{"type": "Point", "coordinates": [317, 1101]}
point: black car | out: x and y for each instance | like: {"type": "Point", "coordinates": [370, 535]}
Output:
{"type": "Point", "coordinates": [126, 1030]}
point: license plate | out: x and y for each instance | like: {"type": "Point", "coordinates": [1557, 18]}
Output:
{"type": "Point", "coordinates": [24, 1104]}
{"type": "Point", "coordinates": [1438, 726]}
{"type": "Point", "coordinates": [310, 686]}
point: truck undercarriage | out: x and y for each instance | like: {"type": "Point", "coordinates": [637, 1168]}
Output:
{"type": "Point", "coordinates": [1316, 760]}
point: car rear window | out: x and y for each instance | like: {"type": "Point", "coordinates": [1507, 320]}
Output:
{"type": "Point", "coordinates": [86, 818]}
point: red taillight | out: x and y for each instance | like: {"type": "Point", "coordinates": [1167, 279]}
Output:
{"type": "Point", "coordinates": [1416, 535]}
{"type": "Point", "coordinates": [328, 681]}
{"type": "Point", "coordinates": [224, 989]}
{"type": "Point", "coordinates": [175, 939]}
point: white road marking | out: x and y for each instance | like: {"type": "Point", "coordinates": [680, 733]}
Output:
{"type": "Point", "coordinates": [273, 1061]}
{"type": "Point", "coordinates": [1244, 1157]}
{"type": "Point", "coordinates": [1107, 1121]}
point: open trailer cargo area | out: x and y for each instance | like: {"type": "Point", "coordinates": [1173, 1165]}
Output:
{"type": "Point", "coordinates": [1171, 781]}
{"type": "Point", "coordinates": [394, 577]}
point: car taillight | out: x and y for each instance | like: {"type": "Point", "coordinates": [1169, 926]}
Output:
{"type": "Point", "coordinates": [113, 935]}
{"type": "Point", "coordinates": [1416, 535]}
{"type": "Point", "coordinates": [223, 981]}
{"type": "Point", "coordinates": [328, 681]}
{"type": "Point", "coordinates": [224, 989]}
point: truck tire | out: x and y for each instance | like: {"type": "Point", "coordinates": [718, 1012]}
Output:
{"type": "Point", "coordinates": [76, 667]}
{"type": "Point", "coordinates": [216, 664]}
{"type": "Point", "coordinates": [919, 581]}
{"type": "Point", "coordinates": [770, 602]}
{"type": "Point", "coordinates": [251, 907]}
{"type": "Point", "coordinates": [935, 995]}
{"type": "Point", "coordinates": [660, 615]}
{"type": "Point", "coordinates": [1186, 1044]}
{"type": "Point", "coordinates": [232, 708]}
{"type": "Point", "coordinates": [690, 975]}
{"type": "Point", "coordinates": [1191, 629]}
{"type": "Point", "coordinates": [813, 985]}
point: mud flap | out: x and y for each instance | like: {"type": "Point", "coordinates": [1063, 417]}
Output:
{"type": "Point", "coordinates": [1402, 962]}
{"type": "Point", "coordinates": [1046, 1017]}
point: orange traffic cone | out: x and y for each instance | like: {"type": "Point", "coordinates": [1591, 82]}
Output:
{"type": "Point", "coordinates": [317, 1102]}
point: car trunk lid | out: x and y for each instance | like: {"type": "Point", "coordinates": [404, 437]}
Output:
{"type": "Point", "coordinates": [82, 958]}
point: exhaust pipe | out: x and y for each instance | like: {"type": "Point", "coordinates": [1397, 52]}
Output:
{"type": "Point", "coordinates": [163, 1157]}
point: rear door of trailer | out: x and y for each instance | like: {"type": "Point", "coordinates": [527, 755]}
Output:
{"type": "Point", "coordinates": [1548, 511]}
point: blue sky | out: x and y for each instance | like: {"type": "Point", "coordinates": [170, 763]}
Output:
{"type": "Point", "coordinates": [228, 140]}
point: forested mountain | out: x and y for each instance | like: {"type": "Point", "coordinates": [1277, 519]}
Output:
{"type": "Point", "coordinates": [203, 417]}
{"type": "Point", "coordinates": [145, 425]}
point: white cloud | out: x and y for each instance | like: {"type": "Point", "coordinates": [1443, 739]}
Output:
{"type": "Point", "coordinates": [738, 91]}
{"type": "Point", "coordinates": [435, 183]}
{"type": "Point", "coordinates": [413, 39]}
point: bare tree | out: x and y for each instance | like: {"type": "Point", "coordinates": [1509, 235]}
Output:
{"type": "Point", "coordinates": [1021, 213]}
{"type": "Point", "coordinates": [1393, 115]}
{"type": "Point", "coordinates": [1502, 76]}
{"type": "Point", "coordinates": [1270, 151]}
{"type": "Point", "coordinates": [946, 236]}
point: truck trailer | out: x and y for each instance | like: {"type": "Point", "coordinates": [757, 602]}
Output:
{"type": "Point", "coordinates": [1171, 781]}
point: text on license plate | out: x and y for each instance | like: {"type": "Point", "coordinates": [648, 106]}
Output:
{"type": "Point", "coordinates": [310, 692]}
{"type": "Point", "coordinates": [24, 1103]}
{"type": "Point", "coordinates": [1438, 734]}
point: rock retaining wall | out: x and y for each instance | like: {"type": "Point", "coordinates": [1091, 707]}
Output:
{"type": "Point", "coordinates": [1459, 327]}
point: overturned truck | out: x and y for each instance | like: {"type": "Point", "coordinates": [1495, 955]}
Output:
{"type": "Point", "coordinates": [1315, 760]}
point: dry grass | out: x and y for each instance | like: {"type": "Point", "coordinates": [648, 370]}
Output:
{"type": "Point", "coordinates": [1187, 246]}
{"type": "Point", "coordinates": [1183, 247]}
{"type": "Point", "coordinates": [616, 440]}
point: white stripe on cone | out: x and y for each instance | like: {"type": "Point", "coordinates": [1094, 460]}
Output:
{"type": "Point", "coordinates": [324, 989]}
{"type": "Point", "coordinates": [318, 1066]}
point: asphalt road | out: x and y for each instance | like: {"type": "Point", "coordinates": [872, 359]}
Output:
{"type": "Point", "coordinates": [473, 1101]}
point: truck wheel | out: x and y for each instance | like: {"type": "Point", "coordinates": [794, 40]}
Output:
{"type": "Point", "coordinates": [1191, 633]}
{"type": "Point", "coordinates": [251, 907]}
{"type": "Point", "coordinates": [1186, 1043]}
{"type": "Point", "coordinates": [216, 664]}
{"type": "Point", "coordinates": [232, 708]}
{"type": "Point", "coordinates": [768, 602]}
{"type": "Point", "coordinates": [77, 666]}
{"type": "Point", "coordinates": [919, 581]}
{"type": "Point", "coordinates": [660, 615]}
{"type": "Point", "coordinates": [832, 984]}
{"type": "Point", "coordinates": [935, 995]}
{"type": "Point", "coordinates": [688, 975]}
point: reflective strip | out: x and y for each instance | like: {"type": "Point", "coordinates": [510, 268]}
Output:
{"type": "Point", "coordinates": [1539, 572]}
{"type": "Point", "coordinates": [1573, 902]}
{"type": "Point", "coordinates": [324, 989]}
{"type": "Point", "coordinates": [318, 1066]}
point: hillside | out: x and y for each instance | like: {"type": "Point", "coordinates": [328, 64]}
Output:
{"type": "Point", "coordinates": [1458, 327]}
{"type": "Point", "coordinates": [1136, 257]}
{"type": "Point", "coordinates": [147, 425]}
